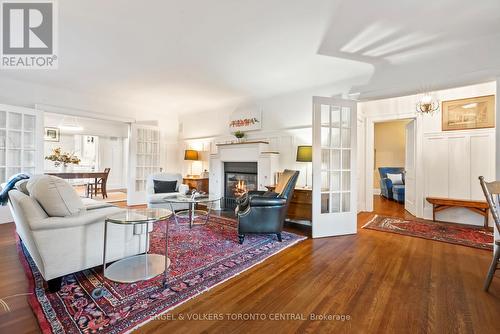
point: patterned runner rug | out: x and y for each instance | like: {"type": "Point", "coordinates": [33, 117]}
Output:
{"type": "Point", "coordinates": [459, 234]}
{"type": "Point", "coordinates": [201, 258]}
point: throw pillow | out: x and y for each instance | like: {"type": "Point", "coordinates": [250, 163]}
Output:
{"type": "Point", "coordinates": [395, 178]}
{"type": "Point", "coordinates": [56, 196]}
{"type": "Point", "coordinates": [163, 187]}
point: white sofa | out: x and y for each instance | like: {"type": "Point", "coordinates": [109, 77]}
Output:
{"type": "Point", "coordinates": [66, 244]}
{"type": "Point", "coordinates": [157, 200]}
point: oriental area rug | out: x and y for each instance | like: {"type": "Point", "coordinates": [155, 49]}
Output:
{"type": "Point", "coordinates": [466, 235]}
{"type": "Point", "coordinates": [201, 258]}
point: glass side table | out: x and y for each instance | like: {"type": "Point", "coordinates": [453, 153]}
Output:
{"type": "Point", "coordinates": [141, 266]}
{"type": "Point", "coordinates": [192, 213]}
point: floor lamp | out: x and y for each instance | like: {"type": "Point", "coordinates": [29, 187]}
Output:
{"type": "Point", "coordinates": [191, 155]}
{"type": "Point", "coordinates": [304, 154]}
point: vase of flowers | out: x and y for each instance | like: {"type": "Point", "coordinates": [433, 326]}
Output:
{"type": "Point", "coordinates": [62, 159]}
{"type": "Point", "coordinates": [240, 136]}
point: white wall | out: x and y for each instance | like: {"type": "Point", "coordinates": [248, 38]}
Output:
{"type": "Point", "coordinates": [451, 160]}
{"type": "Point", "coordinates": [286, 123]}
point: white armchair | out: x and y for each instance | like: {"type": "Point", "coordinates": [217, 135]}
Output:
{"type": "Point", "coordinates": [64, 245]}
{"type": "Point", "coordinates": [157, 200]}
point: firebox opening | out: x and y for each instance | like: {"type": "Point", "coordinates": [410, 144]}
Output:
{"type": "Point", "coordinates": [239, 177]}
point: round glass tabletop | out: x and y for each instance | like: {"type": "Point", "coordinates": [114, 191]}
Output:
{"type": "Point", "coordinates": [139, 216]}
{"type": "Point", "coordinates": [188, 199]}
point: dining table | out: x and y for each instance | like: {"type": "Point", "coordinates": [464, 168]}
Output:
{"type": "Point", "coordinates": [85, 175]}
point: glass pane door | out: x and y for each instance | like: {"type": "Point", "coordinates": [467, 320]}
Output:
{"type": "Point", "coordinates": [335, 159]}
{"type": "Point", "coordinates": [333, 162]}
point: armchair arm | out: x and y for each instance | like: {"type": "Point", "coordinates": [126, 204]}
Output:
{"type": "Point", "coordinates": [267, 201]}
{"type": "Point", "coordinates": [183, 189]}
{"type": "Point", "coordinates": [255, 192]}
{"type": "Point", "coordinates": [386, 183]}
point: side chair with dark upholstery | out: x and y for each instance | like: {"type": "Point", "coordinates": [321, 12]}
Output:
{"type": "Point", "coordinates": [265, 211]}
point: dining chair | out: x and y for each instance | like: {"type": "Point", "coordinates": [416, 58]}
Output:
{"type": "Point", "coordinates": [492, 193]}
{"type": "Point", "coordinates": [100, 187]}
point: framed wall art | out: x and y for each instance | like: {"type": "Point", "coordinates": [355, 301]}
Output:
{"type": "Point", "coordinates": [470, 113]}
{"type": "Point", "coordinates": [52, 134]}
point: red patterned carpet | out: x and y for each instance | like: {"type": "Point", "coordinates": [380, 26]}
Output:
{"type": "Point", "coordinates": [201, 258]}
{"type": "Point", "coordinates": [459, 234]}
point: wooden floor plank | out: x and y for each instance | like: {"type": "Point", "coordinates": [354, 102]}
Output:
{"type": "Point", "coordinates": [385, 282]}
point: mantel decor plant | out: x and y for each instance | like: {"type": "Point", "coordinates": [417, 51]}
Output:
{"type": "Point", "coordinates": [240, 135]}
{"type": "Point", "coordinates": [62, 159]}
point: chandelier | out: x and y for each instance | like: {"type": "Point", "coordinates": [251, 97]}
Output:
{"type": "Point", "coordinates": [428, 104]}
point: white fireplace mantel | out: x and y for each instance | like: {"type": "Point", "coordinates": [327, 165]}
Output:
{"type": "Point", "coordinates": [267, 164]}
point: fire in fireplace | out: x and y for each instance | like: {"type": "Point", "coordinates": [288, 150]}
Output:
{"type": "Point", "coordinates": [239, 177]}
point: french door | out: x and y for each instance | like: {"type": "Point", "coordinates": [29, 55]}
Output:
{"type": "Point", "coordinates": [334, 167]}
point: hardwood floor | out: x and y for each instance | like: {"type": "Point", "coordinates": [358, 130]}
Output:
{"type": "Point", "coordinates": [385, 283]}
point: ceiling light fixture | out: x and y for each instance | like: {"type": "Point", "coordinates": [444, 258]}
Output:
{"type": "Point", "coordinates": [428, 104]}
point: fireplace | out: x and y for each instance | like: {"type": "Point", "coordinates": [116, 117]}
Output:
{"type": "Point", "coordinates": [239, 177]}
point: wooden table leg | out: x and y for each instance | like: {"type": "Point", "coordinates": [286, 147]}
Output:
{"type": "Point", "coordinates": [95, 186]}
{"type": "Point", "coordinates": [103, 189]}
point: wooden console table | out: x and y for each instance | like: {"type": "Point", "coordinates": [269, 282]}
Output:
{"type": "Point", "coordinates": [440, 203]}
{"type": "Point", "coordinates": [300, 205]}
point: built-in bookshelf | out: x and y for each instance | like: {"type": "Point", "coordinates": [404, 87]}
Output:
{"type": "Point", "coordinates": [144, 160]}
{"type": "Point", "coordinates": [17, 143]}
{"type": "Point", "coordinates": [148, 156]}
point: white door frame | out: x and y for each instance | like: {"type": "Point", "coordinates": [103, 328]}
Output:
{"type": "Point", "coordinates": [410, 170]}
{"type": "Point", "coordinates": [369, 157]}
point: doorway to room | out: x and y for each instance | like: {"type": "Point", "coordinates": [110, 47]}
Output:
{"type": "Point", "coordinates": [394, 165]}
{"type": "Point", "coordinates": [93, 146]}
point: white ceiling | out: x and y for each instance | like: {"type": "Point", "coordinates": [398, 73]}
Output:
{"type": "Point", "coordinates": [186, 56]}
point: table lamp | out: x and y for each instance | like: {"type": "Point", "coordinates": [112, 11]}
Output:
{"type": "Point", "coordinates": [191, 155]}
{"type": "Point", "coordinates": [304, 154]}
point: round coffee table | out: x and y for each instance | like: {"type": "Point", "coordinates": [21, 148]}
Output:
{"type": "Point", "coordinates": [192, 213]}
{"type": "Point", "coordinates": [141, 266]}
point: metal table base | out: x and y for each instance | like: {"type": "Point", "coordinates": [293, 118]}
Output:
{"type": "Point", "coordinates": [137, 267]}
{"type": "Point", "coordinates": [192, 213]}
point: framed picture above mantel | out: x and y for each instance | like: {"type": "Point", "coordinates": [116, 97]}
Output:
{"type": "Point", "coordinates": [248, 120]}
{"type": "Point", "coordinates": [470, 113]}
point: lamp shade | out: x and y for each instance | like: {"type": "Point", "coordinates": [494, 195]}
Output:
{"type": "Point", "coordinates": [190, 155]}
{"type": "Point", "coordinates": [304, 153]}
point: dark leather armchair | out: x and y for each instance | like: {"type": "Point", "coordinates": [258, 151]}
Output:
{"type": "Point", "coordinates": [265, 211]}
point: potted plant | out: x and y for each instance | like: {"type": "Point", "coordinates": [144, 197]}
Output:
{"type": "Point", "coordinates": [240, 135]}
{"type": "Point", "coordinates": [62, 159]}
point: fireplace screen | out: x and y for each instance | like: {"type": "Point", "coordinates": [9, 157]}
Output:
{"type": "Point", "coordinates": [239, 177]}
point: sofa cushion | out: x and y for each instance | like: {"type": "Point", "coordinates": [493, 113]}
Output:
{"type": "Point", "coordinates": [163, 187]}
{"type": "Point", "coordinates": [56, 196]}
{"type": "Point", "coordinates": [160, 198]}
{"type": "Point", "coordinates": [92, 204]}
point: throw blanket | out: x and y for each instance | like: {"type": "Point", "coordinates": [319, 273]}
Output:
{"type": "Point", "coordinates": [4, 195]}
